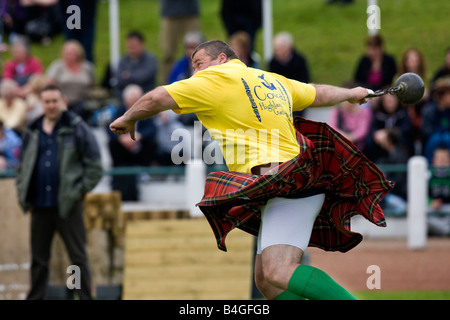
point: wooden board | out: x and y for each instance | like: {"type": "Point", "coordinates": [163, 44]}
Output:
{"type": "Point", "coordinates": [14, 244]}
{"type": "Point", "coordinates": [179, 259]}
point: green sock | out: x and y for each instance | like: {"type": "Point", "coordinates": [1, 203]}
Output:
{"type": "Point", "coordinates": [286, 295]}
{"type": "Point", "coordinates": [314, 284]}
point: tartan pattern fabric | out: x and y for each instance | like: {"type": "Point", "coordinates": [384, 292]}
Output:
{"type": "Point", "coordinates": [327, 163]}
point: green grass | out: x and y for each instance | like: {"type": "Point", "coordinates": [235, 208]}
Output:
{"type": "Point", "coordinates": [331, 37]}
{"type": "Point", "coordinates": [402, 295]}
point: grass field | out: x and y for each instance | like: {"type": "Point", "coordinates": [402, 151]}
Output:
{"type": "Point", "coordinates": [330, 36]}
{"type": "Point", "coordinates": [402, 295]}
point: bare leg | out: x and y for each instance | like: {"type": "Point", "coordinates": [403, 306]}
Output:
{"type": "Point", "coordinates": [278, 264]}
{"type": "Point", "coordinates": [267, 290]}
{"type": "Point", "coordinates": [283, 234]}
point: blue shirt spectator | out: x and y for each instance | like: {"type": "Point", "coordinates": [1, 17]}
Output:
{"type": "Point", "coordinates": [10, 144]}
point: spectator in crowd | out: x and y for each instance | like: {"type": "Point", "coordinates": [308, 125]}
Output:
{"type": "Point", "coordinates": [443, 71]}
{"type": "Point", "coordinates": [60, 162]}
{"type": "Point", "coordinates": [86, 33]}
{"type": "Point", "coordinates": [439, 193]}
{"type": "Point", "coordinates": [126, 152]}
{"type": "Point", "coordinates": [394, 153]}
{"type": "Point", "coordinates": [436, 118]}
{"type": "Point", "coordinates": [43, 20]}
{"type": "Point", "coordinates": [13, 109]}
{"type": "Point", "coordinates": [22, 65]}
{"type": "Point", "coordinates": [138, 66]}
{"type": "Point", "coordinates": [182, 68]}
{"type": "Point", "coordinates": [240, 43]}
{"type": "Point", "coordinates": [376, 69]}
{"type": "Point", "coordinates": [414, 61]}
{"type": "Point", "coordinates": [74, 75]}
{"type": "Point", "coordinates": [166, 123]}
{"type": "Point", "coordinates": [178, 17]}
{"type": "Point", "coordinates": [39, 20]}
{"type": "Point", "coordinates": [34, 105]}
{"type": "Point", "coordinates": [10, 144]}
{"type": "Point", "coordinates": [14, 17]}
{"type": "Point", "coordinates": [287, 61]}
{"type": "Point", "coordinates": [242, 15]}
{"type": "Point", "coordinates": [352, 120]}
{"type": "Point", "coordinates": [388, 114]}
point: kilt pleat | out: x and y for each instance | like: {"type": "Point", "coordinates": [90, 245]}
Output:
{"type": "Point", "coordinates": [327, 163]}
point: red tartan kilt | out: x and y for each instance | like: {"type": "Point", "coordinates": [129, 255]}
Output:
{"type": "Point", "coordinates": [327, 163]}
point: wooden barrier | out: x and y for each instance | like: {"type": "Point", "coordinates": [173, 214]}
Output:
{"type": "Point", "coordinates": [154, 214]}
{"type": "Point", "coordinates": [14, 244]}
{"type": "Point", "coordinates": [179, 259]}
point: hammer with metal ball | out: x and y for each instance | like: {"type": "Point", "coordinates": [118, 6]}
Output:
{"type": "Point", "coordinates": [409, 89]}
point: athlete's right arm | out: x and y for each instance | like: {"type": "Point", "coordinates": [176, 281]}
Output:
{"type": "Point", "coordinates": [150, 104]}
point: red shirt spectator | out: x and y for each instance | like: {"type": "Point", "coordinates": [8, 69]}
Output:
{"type": "Point", "coordinates": [21, 66]}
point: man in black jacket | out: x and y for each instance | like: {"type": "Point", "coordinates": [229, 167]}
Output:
{"type": "Point", "coordinates": [60, 162]}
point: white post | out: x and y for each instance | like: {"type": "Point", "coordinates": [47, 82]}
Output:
{"type": "Point", "coordinates": [417, 202]}
{"type": "Point", "coordinates": [195, 174]}
{"type": "Point", "coordinates": [114, 54]}
{"type": "Point", "coordinates": [374, 10]}
{"type": "Point", "coordinates": [267, 29]}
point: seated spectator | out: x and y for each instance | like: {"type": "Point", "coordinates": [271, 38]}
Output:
{"type": "Point", "coordinates": [241, 44]}
{"type": "Point", "coordinates": [13, 109]}
{"type": "Point", "coordinates": [395, 201]}
{"type": "Point", "coordinates": [126, 152]}
{"type": "Point", "coordinates": [444, 70]}
{"type": "Point", "coordinates": [413, 61]}
{"type": "Point", "coordinates": [439, 193]}
{"type": "Point", "coordinates": [388, 114]}
{"type": "Point", "coordinates": [138, 66]}
{"type": "Point", "coordinates": [21, 66]}
{"type": "Point", "coordinates": [34, 105]}
{"type": "Point", "coordinates": [10, 144]}
{"type": "Point", "coordinates": [166, 123]}
{"type": "Point", "coordinates": [74, 75]}
{"type": "Point", "coordinates": [14, 16]}
{"type": "Point", "coordinates": [436, 119]}
{"type": "Point", "coordinates": [352, 121]}
{"type": "Point", "coordinates": [44, 20]}
{"type": "Point", "coordinates": [286, 60]}
{"type": "Point", "coordinates": [182, 68]}
{"type": "Point", "coordinates": [376, 69]}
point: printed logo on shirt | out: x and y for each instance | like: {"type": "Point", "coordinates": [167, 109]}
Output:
{"type": "Point", "coordinates": [269, 97]}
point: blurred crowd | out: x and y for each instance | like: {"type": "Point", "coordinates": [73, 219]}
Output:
{"type": "Point", "coordinates": [387, 131]}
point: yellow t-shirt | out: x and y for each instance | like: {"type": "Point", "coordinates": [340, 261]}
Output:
{"type": "Point", "coordinates": [248, 111]}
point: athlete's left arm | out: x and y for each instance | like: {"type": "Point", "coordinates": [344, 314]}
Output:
{"type": "Point", "coordinates": [328, 95]}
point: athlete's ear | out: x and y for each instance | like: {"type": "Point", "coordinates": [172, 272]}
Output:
{"type": "Point", "coordinates": [222, 57]}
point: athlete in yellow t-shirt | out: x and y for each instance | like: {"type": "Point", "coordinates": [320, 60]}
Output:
{"type": "Point", "coordinates": [245, 107]}
{"type": "Point", "coordinates": [250, 112]}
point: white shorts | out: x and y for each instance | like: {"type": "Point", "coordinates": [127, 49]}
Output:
{"type": "Point", "coordinates": [288, 221]}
